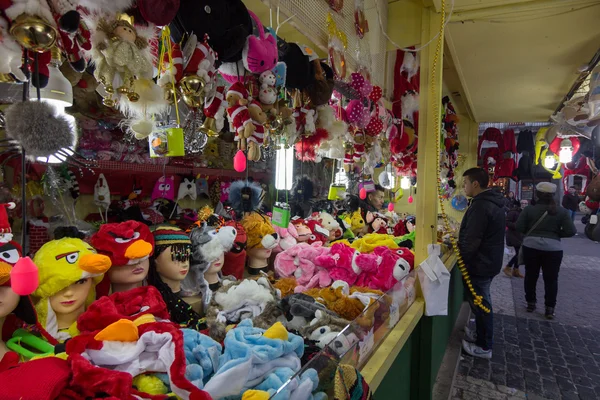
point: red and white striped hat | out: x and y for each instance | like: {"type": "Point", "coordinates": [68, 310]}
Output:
{"type": "Point", "coordinates": [239, 89]}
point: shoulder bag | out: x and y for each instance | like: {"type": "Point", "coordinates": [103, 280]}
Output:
{"type": "Point", "coordinates": [521, 258]}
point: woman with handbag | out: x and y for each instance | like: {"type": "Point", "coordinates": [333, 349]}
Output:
{"type": "Point", "coordinates": [514, 239]}
{"type": "Point", "coordinates": [544, 225]}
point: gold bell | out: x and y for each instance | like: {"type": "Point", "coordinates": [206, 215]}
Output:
{"type": "Point", "coordinates": [108, 102]}
{"type": "Point", "coordinates": [192, 101]}
{"type": "Point", "coordinates": [209, 127]}
{"type": "Point", "coordinates": [122, 90]}
{"type": "Point", "coordinates": [169, 92]}
{"type": "Point", "coordinates": [192, 85]}
{"type": "Point", "coordinates": [33, 33]}
{"type": "Point", "coordinates": [133, 96]}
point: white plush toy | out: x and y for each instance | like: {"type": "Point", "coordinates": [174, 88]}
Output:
{"type": "Point", "coordinates": [102, 195]}
{"type": "Point", "coordinates": [187, 187]}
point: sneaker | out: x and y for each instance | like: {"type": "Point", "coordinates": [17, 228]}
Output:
{"type": "Point", "coordinates": [549, 313]}
{"type": "Point", "coordinates": [476, 351]}
{"type": "Point", "coordinates": [530, 307]}
{"type": "Point", "coordinates": [516, 273]}
{"type": "Point", "coordinates": [470, 334]}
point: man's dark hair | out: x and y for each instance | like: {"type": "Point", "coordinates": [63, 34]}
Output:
{"type": "Point", "coordinates": [573, 187]}
{"type": "Point", "coordinates": [379, 188]}
{"type": "Point", "coordinates": [478, 175]}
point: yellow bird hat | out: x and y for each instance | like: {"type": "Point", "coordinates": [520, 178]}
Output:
{"type": "Point", "coordinates": [61, 263]}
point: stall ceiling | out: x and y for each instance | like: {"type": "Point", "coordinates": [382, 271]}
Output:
{"type": "Point", "coordinates": [516, 60]}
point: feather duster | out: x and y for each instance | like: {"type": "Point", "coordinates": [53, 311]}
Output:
{"type": "Point", "coordinates": [108, 6]}
{"type": "Point", "coordinates": [151, 101]}
{"type": "Point", "coordinates": [30, 7]}
{"type": "Point", "coordinates": [39, 129]}
{"type": "Point", "coordinates": [306, 149]}
{"type": "Point", "coordinates": [245, 196]}
{"type": "Point", "coordinates": [333, 147]}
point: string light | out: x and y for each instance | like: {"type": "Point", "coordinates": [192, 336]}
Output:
{"type": "Point", "coordinates": [477, 299]}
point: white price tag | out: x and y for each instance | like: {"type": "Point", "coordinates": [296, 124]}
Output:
{"type": "Point", "coordinates": [394, 315]}
{"type": "Point", "coordinates": [366, 346]}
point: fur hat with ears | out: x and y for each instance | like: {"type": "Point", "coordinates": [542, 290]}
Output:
{"type": "Point", "coordinates": [235, 301]}
{"type": "Point", "coordinates": [326, 329]}
{"type": "Point", "coordinates": [341, 263]}
{"type": "Point", "coordinates": [300, 309]}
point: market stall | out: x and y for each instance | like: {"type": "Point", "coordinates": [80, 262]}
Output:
{"type": "Point", "coordinates": [197, 204]}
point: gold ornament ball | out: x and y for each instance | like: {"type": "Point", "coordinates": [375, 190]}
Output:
{"type": "Point", "coordinates": [33, 33]}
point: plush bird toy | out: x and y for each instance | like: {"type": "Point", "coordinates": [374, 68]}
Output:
{"type": "Point", "coordinates": [62, 263]}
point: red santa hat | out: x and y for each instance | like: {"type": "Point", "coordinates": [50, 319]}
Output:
{"type": "Point", "coordinates": [254, 103]}
{"type": "Point", "coordinates": [202, 61]}
{"type": "Point", "coordinates": [238, 89]}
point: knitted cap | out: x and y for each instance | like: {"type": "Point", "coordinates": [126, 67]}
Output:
{"type": "Point", "coordinates": [166, 235]}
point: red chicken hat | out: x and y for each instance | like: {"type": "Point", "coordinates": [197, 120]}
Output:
{"type": "Point", "coordinates": [124, 242]}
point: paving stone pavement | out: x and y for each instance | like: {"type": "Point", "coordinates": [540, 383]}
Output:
{"type": "Point", "coordinates": [538, 359]}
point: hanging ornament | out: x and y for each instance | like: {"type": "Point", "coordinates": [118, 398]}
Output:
{"type": "Point", "coordinates": [362, 193]}
{"type": "Point", "coordinates": [391, 207]}
{"type": "Point", "coordinates": [239, 161]}
{"type": "Point", "coordinates": [360, 20]}
{"type": "Point", "coordinates": [338, 42]}
{"type": "Point", "coordinates": [410, 199]}
{"type": "Point", "coordinates": [24, 277]}
{"type": "Point", "coordinates": [193, 138]}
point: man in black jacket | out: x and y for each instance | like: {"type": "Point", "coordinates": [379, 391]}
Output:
{"type": "Point", "coordinates": [481, 244]}
{"type": "Point", "coordinates": [570, 201]}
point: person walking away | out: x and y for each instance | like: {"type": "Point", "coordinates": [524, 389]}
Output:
{"type": "Point", "coordinates": [544, 225]}
{"type": "Point", "coordinates": [570, 201]}
{"type": "Point", "coordinates": [481, 245]}
{"type": "Point", "coordinates": [514, 239]}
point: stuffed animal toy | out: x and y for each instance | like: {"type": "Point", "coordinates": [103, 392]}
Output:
{"type": "Point", "coordinates": [306, 148]}
{"type": "Point", "coordinates": [247, 299]}
{"type": "Point", "coordinates": [267, 94]}
{"type": "Point", "coordinates": [164, 188]}
{"type": "Point", "coordinates": [299, 310]}
{"type": "Point", "coordinates": [340, 262]}
{"type": "Point", "coordinates": [260, 232]}
{"type": "Point", "coordinates": [287, 237]}
{"type": "Point", "coordinates": [245, 197]}
{"type": "Point", "coordinates": [12, 53]}
{"type": "Point", "coordinates": [187, 187]}
{"type": "Point", "coordinates": [357, 222]}
{"type": "Point", "coordinates": [259, 53]}
{"type": "Point", "coordinates": [240, 120]}
{"type": "Point", "coordinates": [328, 222]}
{"type": "Point", "coordinates": [102, 194]}
{"type": "Point", "coordinates": [377, 223]}
{"type": "Point", "coordinates": [301, 232]}
{"type": "Point", "coordinates": [62, 263]}
{"type": "Point", "coordinates": [235, 259]}
{"type": "Point", "coordinates": [202, 62]}
{"type": "Point", "coordinates": [299, 262]}
{"type": "Point", "coordinates": [318, 233]}
{"type": "Point", "coordinates": [259, 118]}
{"type": "Point", "coordinates": [387, 267]}
{"type": "Point", "coordinates": [325, 329]}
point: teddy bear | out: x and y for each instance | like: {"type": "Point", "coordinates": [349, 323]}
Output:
{"type": "Point", "coordinates": [239, 116]}
{"type": "Point", "coordinates": [328, 222]}
{"type": "Point", "coordinates": [340, 262]}
{"type": "Point", "coordinates": [298, 261]}
{"type": "Point", "coordinates": [259, 118]}
{"type": "Point", "coordinates": [387, 267]}
{"type": "Point", "coordinates": [236, 301]}
{"type": "Point", "coordinates": [328, 330]}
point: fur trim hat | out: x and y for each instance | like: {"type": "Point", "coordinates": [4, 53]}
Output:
{"type": "Point", "coordinates": [61, 263]}
{"type": "Point", "coordinates": [238, 89]}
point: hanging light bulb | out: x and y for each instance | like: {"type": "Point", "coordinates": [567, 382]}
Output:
{"type": "Point", "coordinates": [565, 155]}
{"type": "Point", "coordinates": [405, 182]}
{"type": "Point", "coordinates": [549, 162]}
{"type": "Point", "coordinates": [284, 168]}
{"type": "Point", "coordinates": [58, 91]}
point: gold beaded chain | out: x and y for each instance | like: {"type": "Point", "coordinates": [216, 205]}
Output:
{"type": "Point", "coordinates": [477, 299]}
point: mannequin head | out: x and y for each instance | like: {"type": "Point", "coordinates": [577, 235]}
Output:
{"type": "Point", "coordinates": [262, 239]}
{"type": "Point", "coordinates": [129, 245]}
{"type": "Point", "coordinates": [171, 260]}
{"type": "Point", "coordinates": [8, 301]}
{"type": "Point", "coordinates": [212, 273]}
{"type": "Point", "coordinates": [69, 270]}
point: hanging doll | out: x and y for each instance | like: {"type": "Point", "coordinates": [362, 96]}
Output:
{"type": "Point", "coordinates": [239, 117]}
{"type": "Point", "coordinates": [118, 50]}
{"type": "Point", "coordinates": [256, 140]}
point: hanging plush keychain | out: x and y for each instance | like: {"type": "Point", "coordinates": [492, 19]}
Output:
{"type": "Point", "coordinates": [102, 196]}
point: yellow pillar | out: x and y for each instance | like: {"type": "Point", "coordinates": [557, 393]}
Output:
{"type": "Point", "coordinates": [429, 116]}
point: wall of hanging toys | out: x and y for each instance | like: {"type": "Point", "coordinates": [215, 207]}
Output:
{"type": "Point", "coordinates": [236, 210]}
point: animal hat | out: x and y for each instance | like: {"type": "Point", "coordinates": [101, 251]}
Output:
{"type": "Point", "coordinates": [61, 263]}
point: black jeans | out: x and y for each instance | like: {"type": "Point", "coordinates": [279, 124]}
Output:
{"type": "Point", "coordinates": [514, 262]}
{"type": "Point", "coordinates": [549, 262]}
{"type": "Point", "coordinates": [484, 322]}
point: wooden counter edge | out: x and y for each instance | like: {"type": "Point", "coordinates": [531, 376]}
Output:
{"type": "Point", "coordinates": [381, 360]}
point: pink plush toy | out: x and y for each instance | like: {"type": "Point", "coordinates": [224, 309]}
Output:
{"type": "Point", "coordinates": [287, 237]}
{"type": "Point", "coordinates": [341, 263]}
{"type": "Point", "coordinates": [299, 262]}
{"type": "Point", "coordinates": [384, 267]}
{"type": "Point", "coordinates": [259, 53]}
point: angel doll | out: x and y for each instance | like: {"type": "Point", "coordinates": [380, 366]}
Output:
{"type": "Point", "coordinates": [119, 49]}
